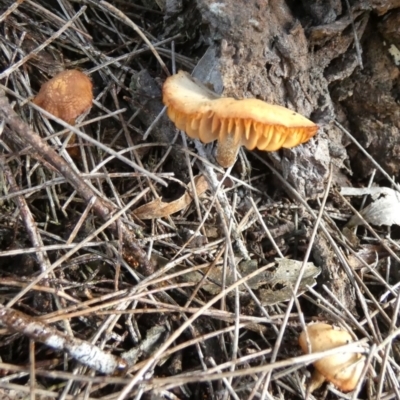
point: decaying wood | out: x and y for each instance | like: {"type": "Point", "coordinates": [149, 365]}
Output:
{"type": "Point", "coordinates": [333, 275]}
{"type": "Point", "coordinates": [369, 99]}
{"type": "Point", "coordinates": [262, 51]}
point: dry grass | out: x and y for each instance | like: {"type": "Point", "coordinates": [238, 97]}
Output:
{"type": "Point", "coordinates": [66, 263]}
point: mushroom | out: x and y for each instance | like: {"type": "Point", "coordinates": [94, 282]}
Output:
{"type": "Point", "coordinates": [203, 115]}
{"type": "Point", "coordinates": [67, 95]}
{"type": "Point", "coordinates": [341, 369]}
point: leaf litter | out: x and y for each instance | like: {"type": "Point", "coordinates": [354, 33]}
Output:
{"type": "Point", "coordinates": [383, 210]}
{"type": "Point", "coordinates": [187, 291]}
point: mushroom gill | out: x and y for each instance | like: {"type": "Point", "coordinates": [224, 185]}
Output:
{"type": "Point", "coordinates": [203, 115]}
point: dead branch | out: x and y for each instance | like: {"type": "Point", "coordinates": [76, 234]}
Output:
{"type": "Point", "coordinates": [80, 350]}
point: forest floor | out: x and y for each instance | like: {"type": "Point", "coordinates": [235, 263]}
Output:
{"type": "Point", "coordinates": [132, 266]}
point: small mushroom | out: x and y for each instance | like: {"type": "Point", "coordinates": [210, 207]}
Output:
{"type": "Point", "coordinates": [67, 95]}
{"type": "Point", "coordinates": [342, 369]}
{"type": "Point", "coordinates": [203, 115]}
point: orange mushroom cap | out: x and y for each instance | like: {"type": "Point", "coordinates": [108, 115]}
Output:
{"type": "Point", "coordinates": [67, 95]}
{"type": "Point", "coordinates": [203, 115]}
{"type": "Point", "coordinates": [342, 369]}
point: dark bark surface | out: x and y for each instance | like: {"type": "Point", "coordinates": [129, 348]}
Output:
{"type": "Point", "coordinates": [303, 56]}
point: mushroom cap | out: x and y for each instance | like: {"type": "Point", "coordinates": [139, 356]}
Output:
{"type": "Point", "coordinates": [203, 115]}
{"type": "Point", "coordinates": [342, 369]}
{"type": "Point", "coordinates": [67, 95]}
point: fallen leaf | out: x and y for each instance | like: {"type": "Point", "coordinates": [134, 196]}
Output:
{"type": "Point", "coordinates": [213, 283]}
{"type": "Point", "coordinates": [159, 209]}
{"type": "Point", "coordinates": [287, 274]}
{"type": "Point", "coordinates": [384, 210]}
{"type": "Point", "coordinates": [369, 253]}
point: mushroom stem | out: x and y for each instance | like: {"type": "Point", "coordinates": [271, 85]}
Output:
{"type": "Point", "coordinates": [317, 380]}
{"type": "Point", "coordinates": [227, 150]}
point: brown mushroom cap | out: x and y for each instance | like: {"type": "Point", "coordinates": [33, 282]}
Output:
{"type": "Point", "coordinates": [249, 122]}
{"type": "Point", "coordinates": [342, 369]}
{"type": "Point", "coordinates": [67, 95]}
